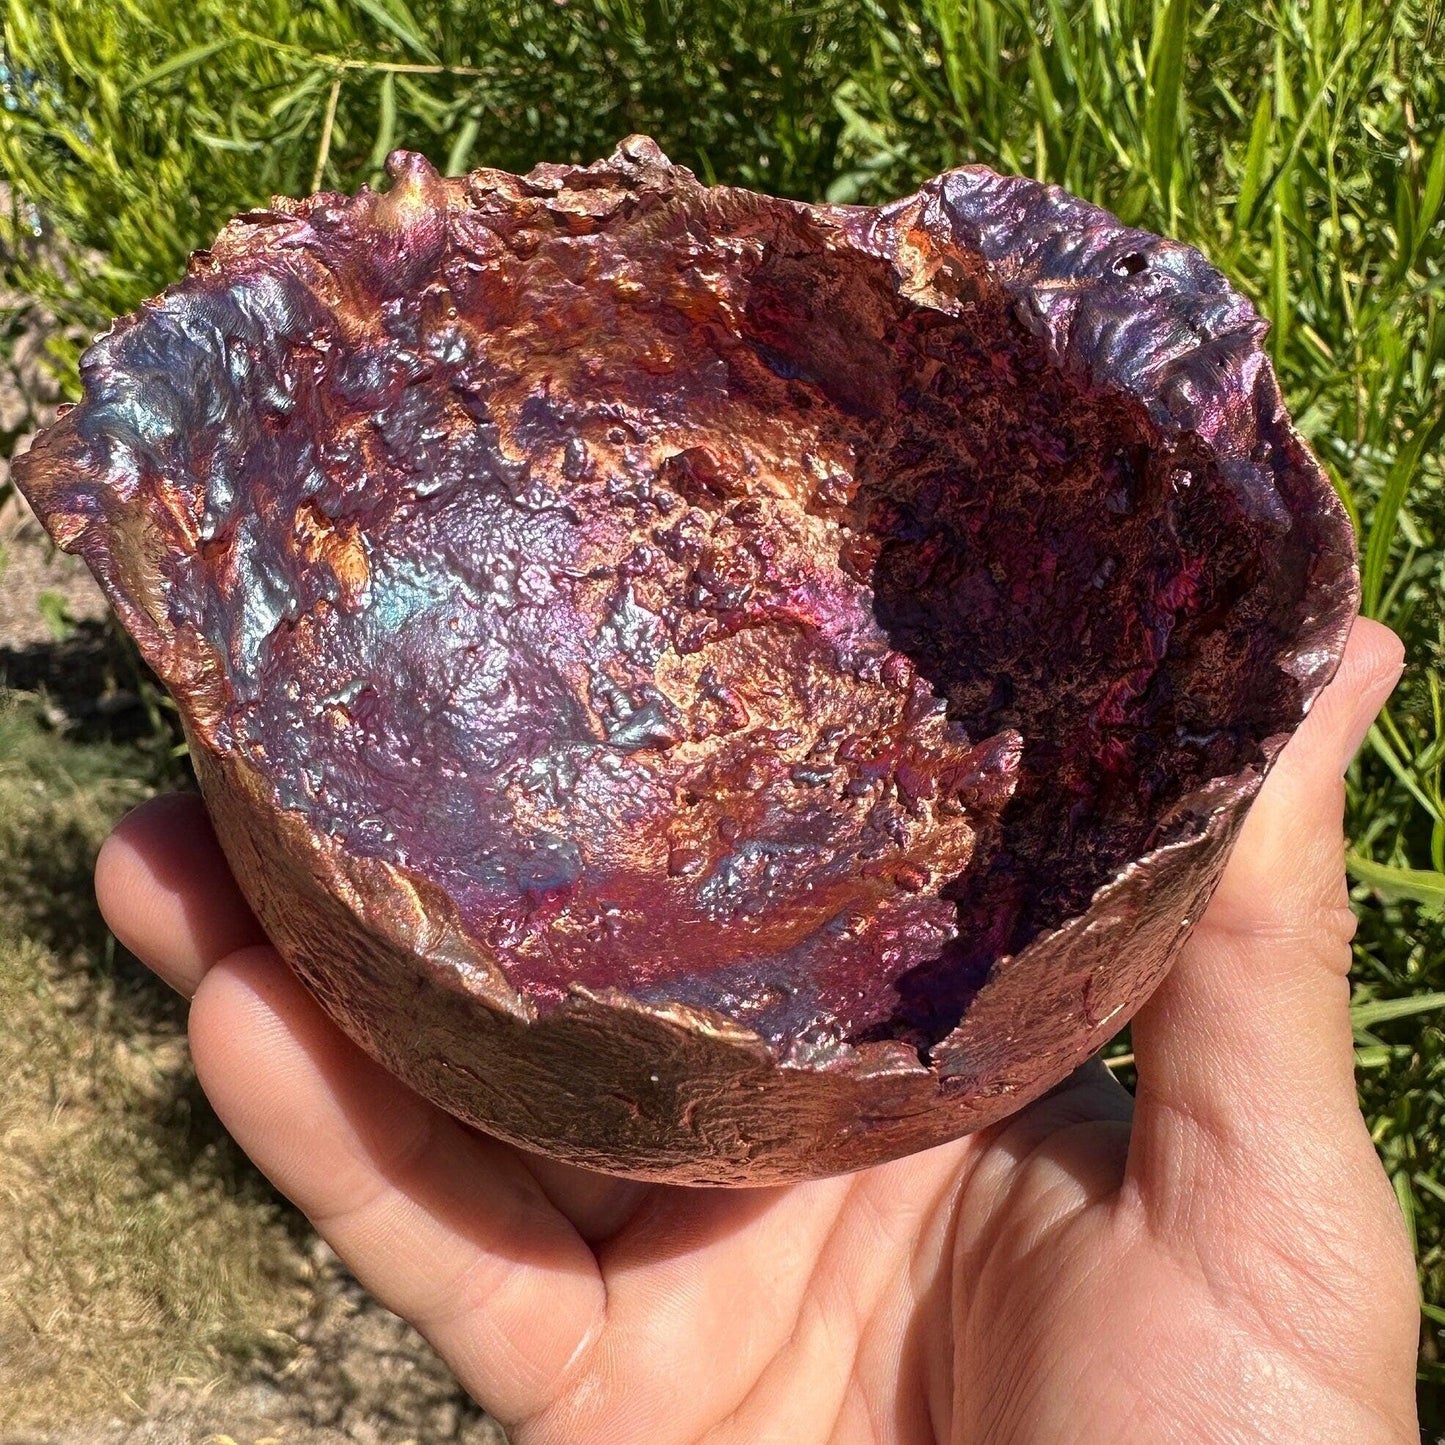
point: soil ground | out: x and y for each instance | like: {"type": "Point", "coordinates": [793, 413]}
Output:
{"type": "Point", "coordinates": [153, 1289]}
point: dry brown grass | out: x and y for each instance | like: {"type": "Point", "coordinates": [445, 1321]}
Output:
{"type": "Point", "coordinates": [136, 1250]}
{"type": "Point", "coordinates": [153, 1291]}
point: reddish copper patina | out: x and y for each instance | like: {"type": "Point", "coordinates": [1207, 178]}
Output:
{"type": "Point", "coordinates": [710, 687]}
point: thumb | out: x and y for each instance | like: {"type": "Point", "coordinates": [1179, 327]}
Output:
{"type": "Point", "coordinates": [1244, 1054]}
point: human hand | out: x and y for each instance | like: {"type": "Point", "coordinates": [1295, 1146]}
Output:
{"type": "Point", "coordinates": [1218, 1259]}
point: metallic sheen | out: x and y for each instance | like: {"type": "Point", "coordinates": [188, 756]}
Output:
{"type": "Point", "coordinates": [713, 688]}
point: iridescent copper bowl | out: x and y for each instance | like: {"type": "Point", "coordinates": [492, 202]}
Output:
{"type": "Point", "coordinates": [710, 687]}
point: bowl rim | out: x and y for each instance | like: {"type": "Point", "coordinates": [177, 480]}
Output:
{"type": "Point", "coordinates": [1081, 282]}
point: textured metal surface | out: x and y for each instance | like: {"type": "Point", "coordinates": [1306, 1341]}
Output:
{"type": "Point", "coordinates": [714, 688]}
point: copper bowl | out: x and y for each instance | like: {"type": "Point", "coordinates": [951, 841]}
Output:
{"type": "Point", "coordinates": [712, 688]}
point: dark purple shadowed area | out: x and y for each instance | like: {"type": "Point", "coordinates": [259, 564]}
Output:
{"type": "Point", "coordinates": [711, 614]}
{"type": "Point", "coordinates": [1049, 567]}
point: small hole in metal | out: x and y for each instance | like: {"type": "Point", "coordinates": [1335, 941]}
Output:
{"type": "Point", "coordinates": [1130, 265]}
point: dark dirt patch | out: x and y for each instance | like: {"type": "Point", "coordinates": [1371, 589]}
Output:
{"type": "Point", "coordinates": [354, 1375]}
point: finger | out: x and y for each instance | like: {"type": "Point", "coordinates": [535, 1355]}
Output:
{"type": "Point", "coordinates": [597, 1205]}
{"type": "Point", "coordinates": [1250, 1031]}
{"type": "Point", "coordinates": [1063, 1152]}
{"type": "Point", "coordinates": [1091, 1094]}
{"type": "Point", "coordinates": [741, 1292]}
{"type": "Point", "coordinates": [168, 895]}
{"type": "Point", "coordinates": [444, 1226]}
{"type": "Point", "coordinates": [165, 891]}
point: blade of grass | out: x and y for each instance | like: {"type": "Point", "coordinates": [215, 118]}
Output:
{"type": "Point", "coordinates": [1164, 103]}
{"type": "Point", "coordinates": [1387, 513]}
{"type": "Point", "coordinates": [1306, 120]}
{"type": "Point", "coordinates": [461, 149]}
{"type": "Point", "coordinates": [1387, 1010]}
{"type": "Point", "coordinates": [174, 64]}
{"type": "Point", "coordinates": [1400, 1182]}
{"type": "Point", "coordinates": [1430, 1186]}
{"type": "Point", "coordinates": [323, 151]}
{"type": "Point", "coordinates": [1256, 156]}
{"type": "Point", "coordinates": [1388, 750]}
{"type": "Point", "coordinates": [1430, 197]}
{"type": "Point", "coordinates": [1422, 885]}
{"type": "Point", "coordinates": [393, 15]}
{"type": "Point", "coordinates": [385, 123]}
{"type": "Point", "coordinates": [1051, 115]}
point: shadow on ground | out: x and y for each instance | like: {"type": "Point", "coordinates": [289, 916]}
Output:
{"type": "Point", "coordinates": [153, 1287]}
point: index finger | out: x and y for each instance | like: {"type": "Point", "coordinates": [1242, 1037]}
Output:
{"type": "Point", "coordinates": [166, 892]}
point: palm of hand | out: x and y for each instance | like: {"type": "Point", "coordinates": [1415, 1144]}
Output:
{"type": "Point", "coordinates": [1013, 1288]}
{"type": "Point", "coordinates": [1220, 1260]}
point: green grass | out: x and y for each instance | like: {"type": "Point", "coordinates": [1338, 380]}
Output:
{"type": "Point", "coordinates": [1300, 145]}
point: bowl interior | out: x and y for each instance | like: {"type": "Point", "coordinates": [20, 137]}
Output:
{"type": "Point", "coordinates": [708, 616]}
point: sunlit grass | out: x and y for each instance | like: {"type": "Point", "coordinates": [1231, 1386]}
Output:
{"type": "Point", "coordinates": [1299, 144]}
{"type": "Point", "coordinates": [1304, 152]}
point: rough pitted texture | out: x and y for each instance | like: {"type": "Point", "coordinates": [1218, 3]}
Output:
{"type": "Point", "coordinates": [712, 687]}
